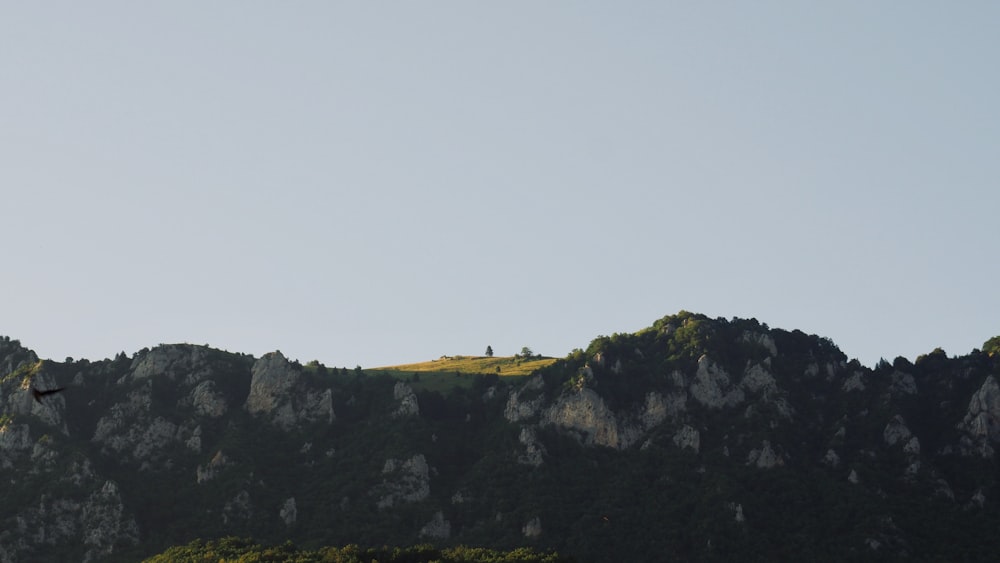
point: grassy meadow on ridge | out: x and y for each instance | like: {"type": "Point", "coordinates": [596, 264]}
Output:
{"type": "Point", "coordinates": [448, 372]}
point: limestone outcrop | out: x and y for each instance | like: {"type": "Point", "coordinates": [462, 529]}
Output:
{"type": "Point", "coordinates": [765, 457]}
{"type": "Point", "coordinates": [403, 481]}
{"type": "Point", "coordinates": [289, 512]}
{"type": "Point", "coordinates": [182, 363]}
{"type": "Point", "coordinates": [438, 528]}
{"type": "Point", "coordinates": [981, 422]}
{"type": "Point", "coordinates": [525, 402]}
{"type": "Point", "coordinates": [687, 437]}
{"type": "Point", "coordinates": [713, 387]}
{"type": "Point", "coordinates": [585, 413]}
{"type": "Point", "coordinates": [277, 393]}
{"type": "Point", "coordinates": [406, 398]}
{"type": "Point", "coordinates": [100, 523]}
{"type": "Point", "coordinates": [534, 450]}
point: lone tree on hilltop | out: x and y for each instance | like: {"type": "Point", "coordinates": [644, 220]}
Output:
{"type": "Point", "coordinates": [526, 352]}
{"type": "Point", "coordinates": [489, 351]}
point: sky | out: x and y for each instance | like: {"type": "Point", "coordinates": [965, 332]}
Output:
{"type": "Point", "coordinates": [376, 183]}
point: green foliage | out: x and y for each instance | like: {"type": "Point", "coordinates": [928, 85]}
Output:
{"type": "Point", "coordinates": [650, 501]}
{"type": "Point", "coordinates": [992, 346]}
{"type": "Point", "coordinates": [237, 550]}
{"type": "Point", "coordinates": [24, 372]}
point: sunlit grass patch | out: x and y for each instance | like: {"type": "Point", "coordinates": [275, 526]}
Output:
{"type": "Point", "coordinates": [448, 372]}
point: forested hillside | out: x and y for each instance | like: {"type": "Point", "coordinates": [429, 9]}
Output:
{"type": "Point", "coordinates": [692, 439]}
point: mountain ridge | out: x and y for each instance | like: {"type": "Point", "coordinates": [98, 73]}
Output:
{"type": "Point", "coordinates": [695, 437]}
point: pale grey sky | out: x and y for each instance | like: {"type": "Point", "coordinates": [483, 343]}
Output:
{"type": "Point", "coordinates": [377, 183]}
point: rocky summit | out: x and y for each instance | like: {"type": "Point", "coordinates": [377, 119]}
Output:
{"type": "Point", "coordinates": [692, 439]}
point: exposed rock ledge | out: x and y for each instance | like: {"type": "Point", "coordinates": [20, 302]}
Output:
{"type": "Point", "coordinates": [275, 391]}
{"type": "Point", "coordinates": [405, 481]}
{"type": "Point", "coordinates": [982, 420]}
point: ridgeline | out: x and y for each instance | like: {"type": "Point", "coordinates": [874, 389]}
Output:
{"type": "Point", "coordinates": [692, 439]}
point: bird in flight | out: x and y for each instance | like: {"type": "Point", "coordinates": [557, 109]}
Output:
{"type": "Point", "coordinates": [39, 394]}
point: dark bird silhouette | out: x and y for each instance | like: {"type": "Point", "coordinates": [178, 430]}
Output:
{"type": "Point", "coordinates": [39, 394]}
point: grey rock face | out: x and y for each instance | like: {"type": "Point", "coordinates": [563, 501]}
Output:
{"type": "Point", "coordinates": [586, 413]}
{"type": "Point", "coordinates": [51, 410]}
{"type": "Point", "coordinates": [713, 387]}
{"type": "Point", "coordinates": [657, 409]}
{"type": "Point", "coordinates": [737, 512]}
{"type": "Point", "coordinates": [688, 437]}
{"type": "Point", "coordinates": [130, 431]}
{"type": "Point", "coordinates": [271, 381]}
{"type": "Point", "coordinates": [854, 383]}
{"type": "Point", "coordinates": [184, 363]}
{"type": "Point", "coordinates": [982, 419]}
{"type": "Point", "coordinates": [275, 392]}
{"type": "Point", "coordinates": [404, 481]}
{"type": "Point", "coordinates": [194, 441]}
{"type": "Point", "coordinates": [582, 412]}
{"type": "Point", "coordinates": [100, 523]}
{"type": "Point", "coordinates": [765, 457]}
{"type": "Point", "coordinates": [209, 471]}
{"type": "Point", "coordinates": [831, 458]}
{"type": "Point", "coordinates": [407, 400]}
{"type": "Point", "coordinates": [208, 402]}
{"type": "Point", "coordinates": [532, 528]}
{"type": "Point", "coordinates": [761, 339]}
{"type": "Point", "coordinates": [288, 512]}
{"type": "Point", "coordinates": [136, 404]}
{"type": "Point", "coordinates": [437, 528]}
{"type": "Point", "coordinates": [533, 448]}
{"type": "Point", "coordinates": [757, 379]}
{"type": "Point", "coordinates": [977, 500]}
{"type": "Point", "coordinates": [15, 442]}
{"type": "Point", "coordinates": [15, 388]}
{"type": "Point", "coordinates": [518, 408]}
{"type": "Point", "coordinates": [238, 509]}
{"type": "Point", "coordinates": [104, 523]}
{"type": "Point", "coordinates": [14, 356]}
{"type": "Point", "coordinates": [903, 383]}
{"type": "Point", "coordinates": [317, 406]}
{"type": "Point", "coordinates": [896, 431]}
{"type": "Point", "coordinates": [759, 382]}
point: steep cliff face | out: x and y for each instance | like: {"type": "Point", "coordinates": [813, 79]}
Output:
{"type": "Point", "coordinates": [728, 435]}
{"type": "Point", "coordinates": [141, 416]}
{"type": "Point", "coordinates": [773, 400]}
{"type": "Point", "coordinates": [981, 422]}
{"type": "Point", "coordinates": [278, 393]}
{"type": "Point", "coordinates": [407, 400]}
{"type": "Point", "coordinates": [580, 410]}
{"type": "Point", "coordinates": [405, 481]}
{"type": "Point", "coordinates": [98, 522]}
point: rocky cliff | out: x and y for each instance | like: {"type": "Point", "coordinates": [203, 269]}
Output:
{"type": "Point", "coordinates": [701, 438]}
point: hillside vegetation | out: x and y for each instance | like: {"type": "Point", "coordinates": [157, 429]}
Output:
{"type": "Point", "coordinates": [694, 439]}
{"type": "Point", "coordinates": [448, 372]}
{"type": "Point", "coordinates": [235, 550]}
